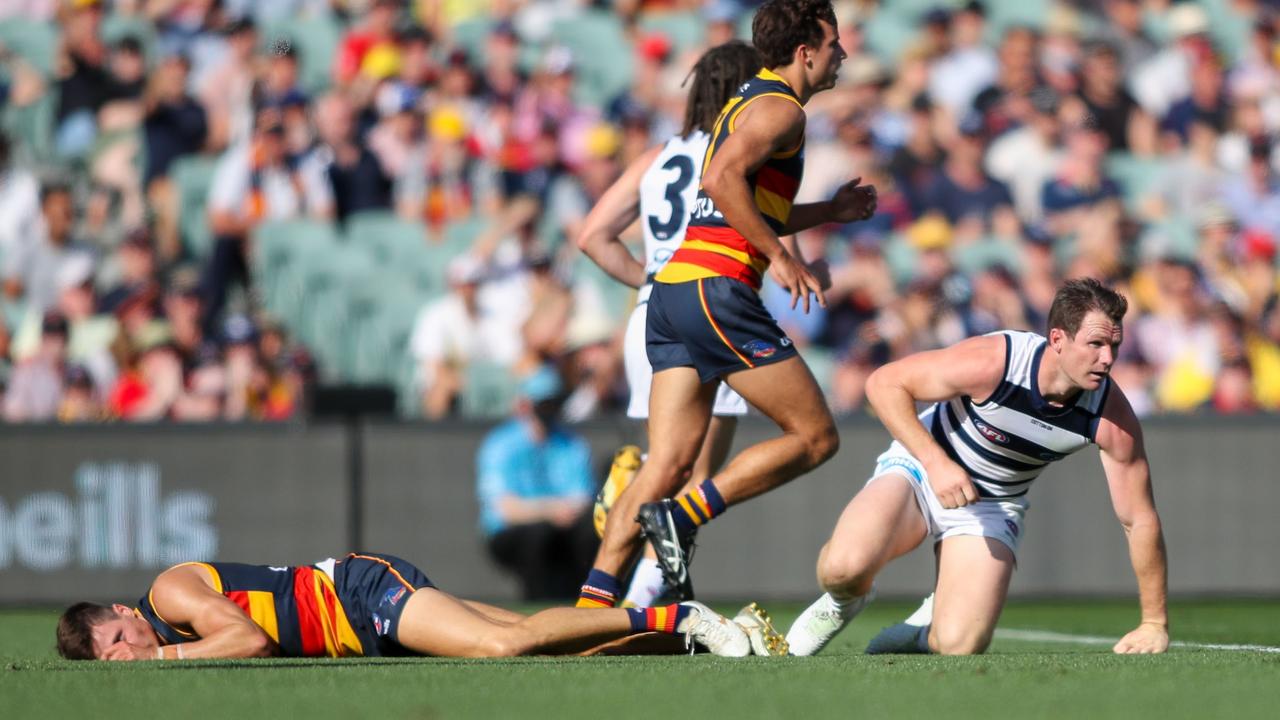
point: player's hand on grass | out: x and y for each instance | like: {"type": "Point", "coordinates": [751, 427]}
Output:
{"type": "Point", "coordinates": [796, 279]}
{"type": "Point", "coordinates": [1146, 639]}
{"type": "Point", "coordinates": [951, 484]}
{"type": "Point", "coordinates": [125, 651]}
{"type": "Point", "coordinates": [853, 202]}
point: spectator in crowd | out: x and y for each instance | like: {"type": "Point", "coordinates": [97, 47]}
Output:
{"type": "Point", "coordinates": [962, 191]}
{"type": "Point", "coordinates": [453, 332]}
{"type": "Point", "coordinates": [341, 176]}
{"type": "Point", "coordinates": [253, 183]}
{"type": "Point", "coordinates": [493, 146]}
{"type": "Point", "coordinates": [226, 91]}
{"type": "Point", "coordinates": [32, 267]}
{"type": "Point", "coordinates": [535, 487]}
{"type": "Point", "coordinates": [35, 385]}
{"type": "Point", "coordinates": [83, 78]}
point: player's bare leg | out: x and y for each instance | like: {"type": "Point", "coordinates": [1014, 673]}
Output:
{"type": "Point", "coordinates": [436, 623]}
{"type": "Point", "coordinates": [679, 413]}
{"type": "Point", "coordinates": [973, 582]}
{"type": "Point", "coordinates": [787, 394]}
{"type": "Point", "coordinates": [647, 583]}
{"type": "Point", "coordinates": [881, 523]}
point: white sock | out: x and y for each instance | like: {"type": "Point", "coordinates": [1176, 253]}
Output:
{"type": "Point", "coordinates": [850, 607]}
{"type": "Point", "coordinates": [646, 584]}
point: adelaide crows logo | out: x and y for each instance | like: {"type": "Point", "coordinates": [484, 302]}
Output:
{"type": "Point", "coordinates": [759, 349]}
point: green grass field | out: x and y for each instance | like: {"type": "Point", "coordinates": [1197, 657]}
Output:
{"type": "Point", "coordinates": [1064, 678]}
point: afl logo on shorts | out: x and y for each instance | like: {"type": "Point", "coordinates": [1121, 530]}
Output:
{"type": "Point", "coordinates": [991, 433]}
{"type": "Point", "coordinates": [760, 349]}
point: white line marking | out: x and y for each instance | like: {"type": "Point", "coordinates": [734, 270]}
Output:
{"type": "Point", "coordinates": [1047, 636]}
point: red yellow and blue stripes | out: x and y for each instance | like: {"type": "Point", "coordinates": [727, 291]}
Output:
{"type": "Point", "coordinates": [711, 247]}
{"type": "Point", "coordinates": [698, 506]}
{"type": "Point", "coordinates": [706, 310]}
{"type": "Point", "coordinates": [601, 590]}
{"type": "Point", "coordinates": [665, 619]}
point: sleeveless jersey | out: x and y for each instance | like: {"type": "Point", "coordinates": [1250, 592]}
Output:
{"type": "Point", "coordinates": [712, 248]}
{"type": "Point", "coordinates": [1006, 441]}
{"type": "Point", "coordinates": [668, 190]}
{"type": "Point", "coordinates": [297, 606]}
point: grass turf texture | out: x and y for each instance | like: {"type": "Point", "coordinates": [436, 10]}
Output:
{"type": "Point", "coordinates": [1015, 679]}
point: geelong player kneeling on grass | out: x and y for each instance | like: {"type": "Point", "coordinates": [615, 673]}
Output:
{"type": "Point", "coordinates": [1001, 408]}
{"type": "Point", "coordinates": [361, 605]}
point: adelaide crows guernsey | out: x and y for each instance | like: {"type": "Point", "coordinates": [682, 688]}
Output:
{"type": "Point", "coordinates": [297, 606]}
{"type": "Point", "coordinates": [1005, 441]}
{"type": "Point", "coordinates": [712, 248]}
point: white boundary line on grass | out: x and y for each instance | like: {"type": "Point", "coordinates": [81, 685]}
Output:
{"type": "Point", "coordinates": [1052, 637]}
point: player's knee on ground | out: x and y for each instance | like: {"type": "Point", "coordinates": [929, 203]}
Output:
{"type": "Point", "coordinates": [845, 571]}
{"type": "Point", "coordinates": [960, 640]}
{"type": "Point", "coordinates": [506, 642]}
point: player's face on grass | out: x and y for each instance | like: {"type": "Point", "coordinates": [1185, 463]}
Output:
{"type": "Point", "coordinates": [1087, 358]}
{"type": "Point", "coordinates": [825, 59]}
{"type": "Point", "coordinates": [124, 627]}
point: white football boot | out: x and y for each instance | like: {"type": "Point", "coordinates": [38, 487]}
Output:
{"type": "Point", "coordinates": [713, 631]}
{"type": "Point", "coordinates": [765, 640]}
{"type": "Point", "coordinates": [823, 620]}
{"type": "Point", "coordinates": [905, 637]}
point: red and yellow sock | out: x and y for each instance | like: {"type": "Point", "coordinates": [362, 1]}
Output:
{"type": "Point", "coordinates": [697, 506]}
{"type": "Point", "coordinates": [661, 619]}
{"type": "Point", "coordinates": [601, 590]}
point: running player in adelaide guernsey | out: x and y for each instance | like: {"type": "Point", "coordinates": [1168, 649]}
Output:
{"type": "Point", "coordinates": [1002, 407]}
{"type": "Point", "coordinates": [361, 605]}
{"type": "Point", "coordinates": [659, 188]}
{"type": "Point", "coordinates": [706, 323]}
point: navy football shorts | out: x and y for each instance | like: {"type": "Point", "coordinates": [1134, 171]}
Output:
{"type": "Point", "coordinates": [715, 325]}
{"type": "Point", "coordinates": [373, 589]}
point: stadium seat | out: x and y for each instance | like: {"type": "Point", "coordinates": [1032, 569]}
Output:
{"type": "Point", "coordinates": [32, 127]}
{"type": "Point", "coordinates": [316, 39]}
{"type": "Point", "coordinates": [381, 316]}
{"type": "Point", "coordinates": [1136, 175]}
{"type": "Point", "coordinates": [685, 30]}
{"type": "Point", "coordinates": [117, 27]}
{"type": "Point", "coordinates": [276, 261]}
{"type": "Point", "coordinates": [822, 363]}
{"type": "Point", "coordinates": [388, 238]}
{"type": "Point", "coordinates": [601, 51]}
{"type": "Point", "coordinates": [980, 256]}
{"type": "Point", "coordinates": [35, 42]}
{"type": "Point", "coordinates": [192, 175]}
{"type": "Point", "coordinates": [888, 34]}
{"type": "Point", "coordinates": [488, 392]}
{"type": "Point", "coordinates": [328, 279]}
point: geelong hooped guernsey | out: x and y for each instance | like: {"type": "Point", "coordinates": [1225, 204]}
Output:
{"type": "Point", "coordinates": [668, 190]}
{"type": "Point", "coordinates": [712, 248]}
{"type": "Point", "coordinates": [297, 606]}
{"type": "Point", "coordinates": [1006, 441]}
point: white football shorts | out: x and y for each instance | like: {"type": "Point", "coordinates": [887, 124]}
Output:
{"type": "Point", "coordinates": [1003, 520]}
{"type": "Point", "coordinates": [640, 373]}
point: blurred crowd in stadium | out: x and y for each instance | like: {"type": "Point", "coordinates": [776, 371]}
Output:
{"type": "Point", "coordinates": [206, 206]}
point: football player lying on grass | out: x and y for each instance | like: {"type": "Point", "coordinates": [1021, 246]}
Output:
{"type": "Point", "coordinates": [373, 605]}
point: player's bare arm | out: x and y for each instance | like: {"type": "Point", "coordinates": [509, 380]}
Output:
{"type": "Point", "coordinates": [973, 367]}
{"type": "Point", "coordinates": [1124, 460]}
{"type": "Point", "coordinates": [186, 599]}
{"type": "Point", "coordinates": [766, 126]}
{"type": "Point", "coordinates": [616, 210]}
{"type": "Point", "coordinates": [851, 202]}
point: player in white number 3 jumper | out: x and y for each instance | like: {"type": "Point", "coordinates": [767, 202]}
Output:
{"type": "Point", "coordinates": [659, 188]}
{"type": "Point", "coordinates": [1003, 406]}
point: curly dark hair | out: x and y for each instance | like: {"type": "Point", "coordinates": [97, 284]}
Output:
{"type": "Point", "coordinates": [716, 76]}
{"type": "Point", "coordinates": [780, 26]}
{"type": "Point", "coordinates": [1077, 297]}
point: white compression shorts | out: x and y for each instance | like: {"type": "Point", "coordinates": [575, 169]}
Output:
{"type": "Point", "coordinates": [1002, 520]}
